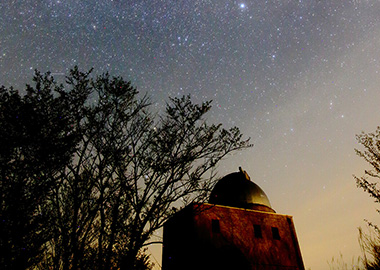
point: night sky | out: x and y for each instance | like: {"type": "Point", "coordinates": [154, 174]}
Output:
{"type": "Point", "coordinates": [300, 78]}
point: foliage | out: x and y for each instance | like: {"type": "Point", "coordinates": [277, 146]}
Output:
{"type": "Point", "coordinates": [370, 243]}
{"type": "Point", "coordinates": [36, 142]}
{"type": "Point", "coordinates": [339, 263]}
{"type": "Point", "coordinates": [113, 172]}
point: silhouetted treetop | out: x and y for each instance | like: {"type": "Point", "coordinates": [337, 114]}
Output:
{"type": "Point", "coordinates": [113, 171]}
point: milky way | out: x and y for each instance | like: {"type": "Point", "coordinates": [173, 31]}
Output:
{"type": "Point", "coordinates": [300, 78]}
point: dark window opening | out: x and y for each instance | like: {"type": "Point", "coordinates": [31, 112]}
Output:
{"type": "Point", "coordinates": [215, 226]}
{"type": "Point", "coordinates": [257, 231]}
{"type": "Point", "coordinates": [276, 233]}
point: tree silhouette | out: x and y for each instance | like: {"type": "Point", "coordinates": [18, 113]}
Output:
{"type": "Point", "coordinates": [119, 171]}
{"type": "Point", "coordinates": [36, 142]}
{"type": "Point", "coordinates": [370, 243]}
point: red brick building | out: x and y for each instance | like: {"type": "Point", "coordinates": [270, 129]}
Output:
{"type": "Point", "coordinates": [237, 229]}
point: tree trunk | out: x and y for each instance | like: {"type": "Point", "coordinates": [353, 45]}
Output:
{"type": "Point", "coordinates": [102, 231]}
{"type": "Point", "coordinates": [109, 252]}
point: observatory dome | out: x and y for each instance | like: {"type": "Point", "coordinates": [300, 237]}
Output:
{"type": "Point", "coordinates": [237, 190]}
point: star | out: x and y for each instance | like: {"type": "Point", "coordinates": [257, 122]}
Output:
{"type": "Point", "coordinates": [296, 66]}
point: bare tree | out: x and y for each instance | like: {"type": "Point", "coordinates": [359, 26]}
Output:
{"type": "Point", "coordinates": [131, 170]}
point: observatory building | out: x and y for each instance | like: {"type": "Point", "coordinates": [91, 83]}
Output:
{"type": "Point", "coordinates": [237, 229]}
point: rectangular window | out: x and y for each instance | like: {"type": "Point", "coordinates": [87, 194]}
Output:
{"type": "Point", "coordinates": [276, 233]}
{"type": "Point", "coordinates": [215, 226]}
{"type": "Point", "coordinates": [257, 231]}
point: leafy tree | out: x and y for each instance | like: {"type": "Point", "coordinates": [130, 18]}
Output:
{"type": "Point", "coordinates": [370, 243]}
{"type": "Point", "coordinates": [128, 172]}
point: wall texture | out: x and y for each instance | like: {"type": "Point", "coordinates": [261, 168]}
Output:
{"type": "Point", "coordinates": [209, 236]}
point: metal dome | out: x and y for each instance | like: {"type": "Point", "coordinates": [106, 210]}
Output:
{"type": "Point", "coordinates": [237, 190]}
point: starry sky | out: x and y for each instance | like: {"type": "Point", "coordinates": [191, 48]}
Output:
{"type": "Point", "coordinates": [300, 77]}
